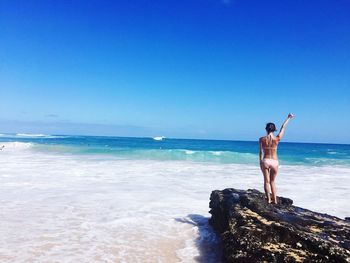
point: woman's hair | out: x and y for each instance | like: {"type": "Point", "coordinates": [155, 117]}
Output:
{"type": "Point", "coordinates": [270, 127]}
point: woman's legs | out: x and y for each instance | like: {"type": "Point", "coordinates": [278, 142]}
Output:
{"type": "Point", "coordinates": [266, 174]}
{"type": "Point", "coordinates": [273, 174]}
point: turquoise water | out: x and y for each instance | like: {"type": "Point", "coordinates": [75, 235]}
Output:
{"type": "Point", "coordinates": [218, 151]}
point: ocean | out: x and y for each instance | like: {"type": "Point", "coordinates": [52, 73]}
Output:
{"type": "Point", "coordinates": [117, 199]}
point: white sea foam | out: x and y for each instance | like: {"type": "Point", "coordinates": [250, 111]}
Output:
{"type": "Point", "coordinates": [16, 146]}
{"type": "Point", "coordinates": [71, 208]}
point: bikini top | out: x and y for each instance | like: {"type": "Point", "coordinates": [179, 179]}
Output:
{"type": "Point", "coordinates": [268, 145]}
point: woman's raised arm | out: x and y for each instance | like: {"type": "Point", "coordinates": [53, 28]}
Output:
{"type": "Point", "coordinates": [283, 127]}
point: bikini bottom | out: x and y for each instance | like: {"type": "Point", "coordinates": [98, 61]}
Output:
{"type": "Point", "coordinates": [269, 163]}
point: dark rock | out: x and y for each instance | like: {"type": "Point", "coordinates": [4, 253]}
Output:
{"type": "Point", "coordinates": [253, 231]}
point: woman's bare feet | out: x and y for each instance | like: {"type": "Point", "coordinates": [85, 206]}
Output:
{"type": "Point", "coordinates": [275, 201]}
{"type": "Point", "coordinates": [268, 199]}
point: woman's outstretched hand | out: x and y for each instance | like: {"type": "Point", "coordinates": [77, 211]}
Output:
{"type": "Point", "coordinates": [290, 116]}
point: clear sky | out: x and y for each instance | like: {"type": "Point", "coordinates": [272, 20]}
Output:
{"type": "Point", "coordinates": [196, 68]}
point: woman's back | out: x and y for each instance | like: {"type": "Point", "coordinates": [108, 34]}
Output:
{"type": "Point", "coordinates": [269, 145]}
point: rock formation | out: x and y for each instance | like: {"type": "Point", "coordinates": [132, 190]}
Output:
{"type": "Point", "coordinates": [252, 230]}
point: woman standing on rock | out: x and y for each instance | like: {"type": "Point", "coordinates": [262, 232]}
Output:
{"type": "Point", "coordinates": [268, 158]}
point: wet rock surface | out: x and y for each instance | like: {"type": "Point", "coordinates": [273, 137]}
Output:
{"type": "Point", "coordinates": [253, 231]}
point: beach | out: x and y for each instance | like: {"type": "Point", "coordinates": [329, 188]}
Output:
{"type": "Point", "coordinates": [104, 199]}
{"type": "Point", "coordinates": [119, 119]}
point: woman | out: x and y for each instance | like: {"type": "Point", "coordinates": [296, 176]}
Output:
{"type": "Point", "coordinates": [268, 158]}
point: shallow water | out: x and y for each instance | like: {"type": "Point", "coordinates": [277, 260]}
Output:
{"type": "Point", "coordinates": [74, 207]}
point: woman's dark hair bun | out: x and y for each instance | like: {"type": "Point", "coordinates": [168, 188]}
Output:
{"type": "Point", "coordinates": [270, 127]}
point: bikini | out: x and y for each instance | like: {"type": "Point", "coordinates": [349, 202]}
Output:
{"type": "Point", "coordinates": [269, 163]}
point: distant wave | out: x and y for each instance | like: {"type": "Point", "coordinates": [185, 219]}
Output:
{"type": "Point", "coordinates": [332, 152]}
{"type": "Point", "coordinates": [32, 136]}
{"type": "Point", "coordinates": [158, 138]}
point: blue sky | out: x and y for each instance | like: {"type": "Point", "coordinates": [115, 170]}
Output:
{"type": "Point", "coordinates": [188, 69]}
